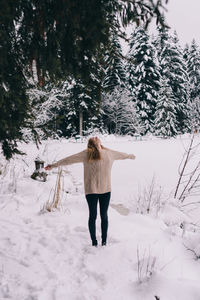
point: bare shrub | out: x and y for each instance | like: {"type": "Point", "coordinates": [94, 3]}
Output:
{"type": "Point", "coordinates": [145, 264]}
{"type": "Point", "coordinates": [194, 251]}
{"type": "Point", "coordinates": [55, 202]}
{"type": "Point", "coordinates": [189, 173]}
{"type": "Point", "coordinates": [149, 199]}
{"type": "Point", "coordinates": [9, 175]}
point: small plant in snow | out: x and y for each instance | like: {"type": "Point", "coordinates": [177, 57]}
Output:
{"type": "Point", "coordinates": [195, 251]}
{"type": "Point", "coordinates": [145, 265]}
{"type": "Point", "coordinates": [149, 200]}
{"type": "Point", "coordinates": [192, 244]}
{"type": "Point", "coordinates": [55, 202]}
{"type": "Point", "coordinates": [9, 176]}
{"type": "Point", "coordinates": [4, 280]}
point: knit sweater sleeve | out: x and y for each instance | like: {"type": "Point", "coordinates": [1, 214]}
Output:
{"type": "Point", "coordinates": [72, 159]}
{"type": "Point", "coordinates": [120, 155]}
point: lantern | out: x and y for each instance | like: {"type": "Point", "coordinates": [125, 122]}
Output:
{"type": "Point", "coordinates": [39, 170]}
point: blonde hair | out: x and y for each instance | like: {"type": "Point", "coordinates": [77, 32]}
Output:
{"type": "Point", "coordinates": [93, 151]}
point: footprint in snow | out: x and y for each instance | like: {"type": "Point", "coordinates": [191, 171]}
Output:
{"type": "Point", "coordinates": [27, 221]}
{"type": "Point", "coordinates": [100, 278]}
{"type": "Point", "coordinates": [80, 229]}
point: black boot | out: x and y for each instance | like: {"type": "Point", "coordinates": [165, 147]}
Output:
{"type": "Point", "coordinates": [94, 243]}
{"type": "Point", "coordinates": [103, 243]}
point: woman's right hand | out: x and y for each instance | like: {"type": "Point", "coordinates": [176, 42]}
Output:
{"type": "Point", "coordinates": [48, 167]}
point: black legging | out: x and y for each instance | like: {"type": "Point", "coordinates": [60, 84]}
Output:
{"type": "Point", "coordinates": [92, 200]}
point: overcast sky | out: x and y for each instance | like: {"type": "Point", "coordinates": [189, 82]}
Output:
{"type": "Point", "coordinates": [184, 17]}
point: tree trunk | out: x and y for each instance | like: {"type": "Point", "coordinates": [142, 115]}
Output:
{"type": "Point", "coordinates": [81, 122]}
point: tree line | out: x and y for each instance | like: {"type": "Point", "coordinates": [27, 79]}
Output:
{"type": "Point", "coordinates": [154, 89]}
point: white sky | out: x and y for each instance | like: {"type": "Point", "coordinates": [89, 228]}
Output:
{"type": "Point", "coordinates": [182, 16]}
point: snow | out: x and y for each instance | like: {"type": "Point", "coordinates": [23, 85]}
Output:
{"type": "Point", "coordinates": [48, 255]}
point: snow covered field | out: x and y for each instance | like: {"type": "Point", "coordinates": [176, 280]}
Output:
{"type": "Point", "coordinates": [48, 256]}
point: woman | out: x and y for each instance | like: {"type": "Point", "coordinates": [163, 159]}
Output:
{"type": "Point", "coordinates": [97, 162]}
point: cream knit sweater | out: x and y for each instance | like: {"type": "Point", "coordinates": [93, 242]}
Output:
{"type": "Point", "coordinates": [97, 173]}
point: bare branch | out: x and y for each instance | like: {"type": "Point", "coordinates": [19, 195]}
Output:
{"type": "Point", "coordinates": [192, 250]}
{"type": "Point", "coordinates": [189, 181]}
{"type": "Point", "coordinates": [184, 165]}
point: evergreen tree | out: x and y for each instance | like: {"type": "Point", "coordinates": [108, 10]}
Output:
{"type": "Point", "coordinates": [76, 106]}
{"type": "Point", "coordinates": [114, 65]}
{"type": "Point", "coordinates": [14, 103]}
{"type": "Point", "coordinates": [193, 67]}
{"type": "Point", "coordinates": [192, 59]}
{"type": "Point", "coordinates": [80, 110]}
{"type": "Point", "coordinates": [194, 114]}
{"type": "Point", "coordinates": [165, 114]}
{"type": "Point", "coordinates": [173, 68]}
{"type": "Point", "coordinates": [143, 76]}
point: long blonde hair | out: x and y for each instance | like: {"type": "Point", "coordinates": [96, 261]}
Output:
{"type": "Point", "coordinates": [93, 151]}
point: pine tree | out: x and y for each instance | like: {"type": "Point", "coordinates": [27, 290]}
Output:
{"type": "Point", "coordinates": [114, 65]}
{"type": "Point", "coordinates": [193, 67]}
{"type": "Point", "coordinates": [143, 76]}
{"type": "Point", "coordinates": [14, 104]}
{"type": "Point", "coordinates": [77, 108]}
{"type": "Point", "coordinates": [173, 68]}
{"type": "Point", "coordinates": [165, 114]}
{"type": "Point", "coordinates": [80, 110]}
{"type": "Point", "coordinates": [195, 115]}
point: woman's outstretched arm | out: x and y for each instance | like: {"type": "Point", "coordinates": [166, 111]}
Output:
{"type": "Point", "coordinates": [116, 155]}
{"type": "Point", "coordinates": [69, 160]}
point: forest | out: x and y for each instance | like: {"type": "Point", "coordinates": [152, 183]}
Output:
{"type": "Point", "coordinates": [153, 90]}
